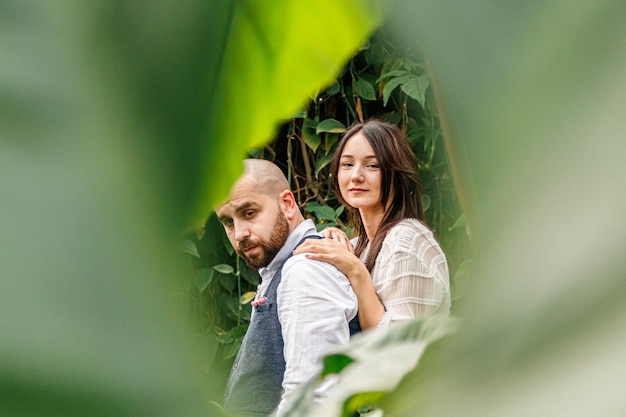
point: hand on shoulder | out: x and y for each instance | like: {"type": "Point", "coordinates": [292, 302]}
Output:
{"type": "Point", "coordinates": [338, 235]}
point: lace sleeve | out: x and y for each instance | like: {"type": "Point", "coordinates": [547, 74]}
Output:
{"type": "Point", "coordinates": [411, 275]}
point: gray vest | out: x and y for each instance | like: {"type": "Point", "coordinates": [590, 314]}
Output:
{"type": "Point", "coordinates": [254, 387]}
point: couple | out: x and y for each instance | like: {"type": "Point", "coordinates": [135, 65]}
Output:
{"type": "Point", "coordinates": [394, 270]}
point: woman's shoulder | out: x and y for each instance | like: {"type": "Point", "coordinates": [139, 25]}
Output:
{"type": "Point", "coordinates": [409, 227]}
{"type": "Point", "coordinates": [408, 234]}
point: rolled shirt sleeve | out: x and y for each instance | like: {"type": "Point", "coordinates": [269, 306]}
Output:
{"type": "Point", "coordinates": [315, 303]}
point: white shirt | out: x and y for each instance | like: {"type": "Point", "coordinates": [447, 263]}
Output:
{"type": "Point", "coordinates": [315, 303]}
{"type": "Point", "coordinates": [410, 274]}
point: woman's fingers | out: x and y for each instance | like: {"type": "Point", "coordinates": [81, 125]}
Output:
{"type": "Point", "coordinates": [322, 246]}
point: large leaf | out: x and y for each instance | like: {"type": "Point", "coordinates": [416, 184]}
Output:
{"type": "Point", "coordinates": [374, 362]}
{"type": "Point", "coordinates": [116, 115]}
{"type": "Point", "coordinates": [536, 139]}
{"type": "Point", "coordinates": [276, 50]}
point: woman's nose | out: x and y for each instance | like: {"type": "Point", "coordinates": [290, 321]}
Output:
{"type": "Point", "coordinates": [357, 175]}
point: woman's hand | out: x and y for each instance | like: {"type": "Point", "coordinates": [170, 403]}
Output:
{"type": "Point", "coordinates": [338, 235]}
{"type": "Point", "coordinates": [335, 252]}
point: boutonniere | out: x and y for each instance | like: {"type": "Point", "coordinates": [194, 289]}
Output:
{"type": "Point", "coordinates": [259, 301]}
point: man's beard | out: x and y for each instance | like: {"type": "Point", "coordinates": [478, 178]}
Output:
{"type": "Point", "coordinates": [269, 249]}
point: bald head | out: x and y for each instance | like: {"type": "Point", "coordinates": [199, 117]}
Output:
{"type": "Point", "coordinates": [260, 213]}
{"type": "Point", "coordinates": [267, 177]}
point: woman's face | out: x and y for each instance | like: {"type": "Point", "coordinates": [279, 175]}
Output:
{"type": "Point", "coordinates": [359, 175]}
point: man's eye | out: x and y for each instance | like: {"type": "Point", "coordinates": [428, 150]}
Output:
{"type": "Point", "coordinates": [227, 222]}
{"type": "Point", "coordinates": [248, 214]}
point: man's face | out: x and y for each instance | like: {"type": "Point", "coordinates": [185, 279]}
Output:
{"type": "Point", "coordinates": [254, 224]}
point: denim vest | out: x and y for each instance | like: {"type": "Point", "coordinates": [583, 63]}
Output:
{"type": "Point", "coordinates": [254, 387]}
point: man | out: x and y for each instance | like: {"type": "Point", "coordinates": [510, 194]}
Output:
{"type": "Point", "coordinates": [302, 308]}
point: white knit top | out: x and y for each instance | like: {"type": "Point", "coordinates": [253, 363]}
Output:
{"type": "Point", "coordinates": [410, 273]}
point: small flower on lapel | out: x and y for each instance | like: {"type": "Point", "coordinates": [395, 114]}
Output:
{"type": "Point", "coordinates": [258, 302]}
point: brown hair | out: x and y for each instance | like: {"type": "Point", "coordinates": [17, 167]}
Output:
{"type": "Point", "coordinates": [400, 184]}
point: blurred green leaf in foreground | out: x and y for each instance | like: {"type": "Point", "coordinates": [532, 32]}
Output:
{"type": "Point", "coordinates": [121, 123]}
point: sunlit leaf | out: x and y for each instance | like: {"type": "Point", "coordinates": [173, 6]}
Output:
{"type": "Point", "coordinates": [272, 52]}
{"type": "Point", "coordinates": [224, 269]}
{"type": "Point", "coordinates": [247, 297]}
{"type": "Point", "coordinates": [330, 126]}
{"type": "Point", "coordinates": [373, 362]}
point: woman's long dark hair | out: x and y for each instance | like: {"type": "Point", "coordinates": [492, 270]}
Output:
{"type": "Point", "coordinates": [400, 184]}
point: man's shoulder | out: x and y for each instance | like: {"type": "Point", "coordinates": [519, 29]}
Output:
{"type": "Point", "coordinates": [300, 263]}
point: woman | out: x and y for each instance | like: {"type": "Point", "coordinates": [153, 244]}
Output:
{"type": "Point", "coordinates": [396, 267]}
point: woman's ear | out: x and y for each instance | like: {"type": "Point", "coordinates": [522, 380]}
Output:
{"type": "Point", "coordinates": [288, 204]}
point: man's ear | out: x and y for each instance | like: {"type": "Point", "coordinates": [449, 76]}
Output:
{"type": "Point", "coordinates": [288, 204]}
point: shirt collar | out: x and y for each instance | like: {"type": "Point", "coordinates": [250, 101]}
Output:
{"type": "Point", "coordinates": [306, 228]}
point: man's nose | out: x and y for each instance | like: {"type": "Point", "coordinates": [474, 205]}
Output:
{"type": "Point", "coordinates": [241, 231]}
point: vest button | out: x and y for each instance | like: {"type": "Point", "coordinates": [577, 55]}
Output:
{"type": "Point", "coordinates": [235, 366]}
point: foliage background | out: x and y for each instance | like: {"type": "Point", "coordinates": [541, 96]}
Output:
{"type": "Point", "coordinates": [386, 79]}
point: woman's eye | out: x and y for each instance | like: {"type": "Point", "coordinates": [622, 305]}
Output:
{"type": "Point", "coordinates": [346, 164]}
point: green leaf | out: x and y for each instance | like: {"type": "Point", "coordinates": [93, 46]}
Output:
{"type": "Point", "coordinates": [331, 126]}
{"type": "Point", "coordinates": [321, 212]}
{"type": "Point", "coordinates": [365, 89]}
{"type": "Point", "coordinates": [391, 85]}
{"type": "Point", "coordinates": [415, 87]}
{"type": "Point", "coordinates": [228, 282]}
{"type": "Point", "coordinates": [312, 139]}
{"type": "Point", "coordinates": [127, 121]}
{"type": "Point", "coordinates": [333, 89]}
{"type": "Point", "coordinates": [322, 226]}
{"type": "Point", "coordinates": [247, 297]}
{"type": "Point", "coordinates": [203, 278]}
{"type": "Point", "coordinates": [330, 139]}
{"type": "Point", "coordinates": [189, 247]}
{"type": "Point", "coordinates": [231, 350]}
{"type": "Point", "coordinates": [322, 162]}
{"type": "Point", "coordinates": [224, 269]}
{"type": "Point", "coordinates": [334, 364]}
{"type": "Point", "coordinates": [393, 74]}
{"type": "Point", "coordinates": [362, 403]}
{"type": "Point", "coordinates": [375, 53]}
{"type": "Point", "coordinates": [271, 51]}
{"type": "Point", "coordinates": [226, 243]}
{"type": "Point", "coordinates": [373, 362]}
{"type": "Point", "coordinates": [232, 335]}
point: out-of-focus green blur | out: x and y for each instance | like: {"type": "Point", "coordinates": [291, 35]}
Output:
{"type": "Point", "coordinates": [534, 94]}
{"type": "Point", "coordinates": [121, 122]}
{"type": "Point", "coordinates": [113, 139]}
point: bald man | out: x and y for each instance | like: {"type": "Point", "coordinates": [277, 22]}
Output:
{"type": "Point", "coordinates": [303, 307]}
